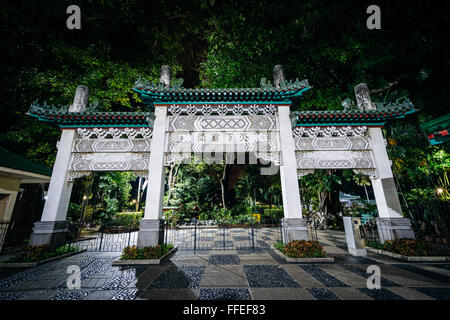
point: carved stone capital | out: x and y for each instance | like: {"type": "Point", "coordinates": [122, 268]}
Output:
{"type": "Point", "coordinates": [77, 174]}
{"type": "Point", "coordinates": [302, 173]}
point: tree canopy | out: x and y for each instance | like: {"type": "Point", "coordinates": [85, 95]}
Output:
{"type": "Point", "coordinates": [226, 44]}
{"type": "Point", "coordinates": [215, 44]}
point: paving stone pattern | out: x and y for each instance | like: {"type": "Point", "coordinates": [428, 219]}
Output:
{"type": "Point", "coordinates": [233, 274]}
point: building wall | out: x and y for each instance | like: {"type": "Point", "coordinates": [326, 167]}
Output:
{"type": "Point", "coordinates": [9, 188]}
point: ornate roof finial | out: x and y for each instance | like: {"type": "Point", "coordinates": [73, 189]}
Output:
{"type": "Point", "coordinates": [165, 76]}
{"type": "Point", "coordinates": [80, 100]}
{"type": "Point", "coordinates": [278, 75]}
{"type": "Point", "coordinates": [363, 97]}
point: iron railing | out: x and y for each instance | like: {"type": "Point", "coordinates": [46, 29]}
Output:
{"type": "Point", "coordinates": [312, 229]}
{"type": "Point", "coordinates": [431, 220]}
{"type": "Point", "coordinates": [370, 232]}
{"type": "Point", "coordinates": [4, 225]}
{"type": "Point", "coordinates": [196, 235]}
{"type": "Point", "coordinates": [13, 239]}
{"type": "Point", "coordinates": [108, 237]}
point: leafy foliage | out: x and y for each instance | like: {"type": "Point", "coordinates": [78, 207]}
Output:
{"type": "Point", "coordinates": [227, 44]}
{"type": "Point", "coordinates": [156, 252]}
{"type": "Point", "coordinates": [301, 249]}
{"type": "Point", "coordinates": [40, 253]}
{"type": "Point", "coordinates": [408, 247]}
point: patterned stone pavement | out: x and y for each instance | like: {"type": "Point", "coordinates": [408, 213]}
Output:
{"type": "Point", "coordinates": [231, 275]}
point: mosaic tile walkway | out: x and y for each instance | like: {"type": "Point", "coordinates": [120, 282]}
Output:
{"type": "Point", "coordinates": [231, 275]}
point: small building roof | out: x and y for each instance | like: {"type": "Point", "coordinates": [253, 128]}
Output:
{"type": "Point", "coordinates": [14, 165]}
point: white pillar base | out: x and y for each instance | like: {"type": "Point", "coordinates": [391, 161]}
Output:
{"type": "Point", "coordinates": [294, 229]}
{"type": "Point", "coordinates": [151, 233]}
{"type": "Point", "coordinates": [355, 244]}
{"type": "Point", "coordinates": [51, 233]}
{"type": "Point", "coordinates": [394, 228]}
{"type": "Point", "coordinates": [357, 252]}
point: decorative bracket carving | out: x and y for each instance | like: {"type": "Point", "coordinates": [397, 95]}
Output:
{"type": "Point", "coordinates": [114, 133]}
{"type": "Point", "coordinates": [329, 131]}
{"type": "Point", "coordinates": [77, 174]}
{"type": "Point", "coordinates": [372, 173]}
{"type": "Point", "coordinates": [304, 172]}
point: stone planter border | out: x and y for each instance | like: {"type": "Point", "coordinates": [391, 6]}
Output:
{"type": "Point", "coordinates": [409, 259]}
{"type": "Point", "coordinates": [288, 259]}
{"type": "Point", "coordinates": [142, 261]}
{"type": "Point", "coordinates": [37, 263]}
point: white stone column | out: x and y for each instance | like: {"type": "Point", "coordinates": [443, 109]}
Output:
{"type": "Point", "coordinates": [52, 229]}
{"type": "Point", "coordinates": [391, 223]}
{"type": "Point", "coordinates": [150, 231]}
{"type": "Point", "coordinates": [294, 226]}
{"type": "Point", "coordinates": [383, 184]}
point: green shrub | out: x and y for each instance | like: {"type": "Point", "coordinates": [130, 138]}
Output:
{"type": "Point", "coordinates": [127, 219]}
{"type": "Point", "coordinates": [407, 247]}
{"type": "Point", "coordinates": [242, 219]}
{"type": "Point", "coordinates": [133, 253]}
{"type": "Point", "coordinates": [220, 214]}
{"type": "Point", "coordinates": [301, 249]}
{"type": "Point", "coordinates": [274, 213]}
{"type": "Point", "coordinates": [39, 253]}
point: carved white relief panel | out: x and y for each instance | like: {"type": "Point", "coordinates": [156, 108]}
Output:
{"type": "Point", "coordinates": [329, 131]}
{"type": "Point", "coordinates": [222, 123]}
{"type": "Point", "coordinates": [334, 160]}
{"type": "Point", "coordinates": [197, 141]}
{"type": "Point", "coordinates": [109, 161]}
{"type": "Point", "coordinates": [114, 133]}
{"type": "Point", "coordinates": [332, 143]}
{"type": "Point", "coordinates": [112, 145]}
{"type": "Point", "coordinates": [222, 109]}
{"type": "Point", "coordinates": [226, 134]}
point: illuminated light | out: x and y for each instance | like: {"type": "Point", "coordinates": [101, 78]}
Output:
{"type": "Point", "coordinates": [439, 190]}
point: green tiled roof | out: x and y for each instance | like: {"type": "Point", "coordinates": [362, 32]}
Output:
{"type": "Point", "coordinates": [151, 93]}
{"type": "Point", "coordinates": [351, 117]}
{"type": "Point", "coordinates": [11, 160]}
{"type": "Point", "coordinates": [87, 119]}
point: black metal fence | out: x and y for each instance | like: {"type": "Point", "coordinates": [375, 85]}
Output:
{"type": "Point", "coordinates": [196, 235]}
{"type": "Point", "coordinates": [108, 237]}
{"type": "Point", "coordinates": [312, 229]}
{"type": "Point", "coordinates": [192, 235]}
{"type": "Point", "coordinates": [13, 239]}
{"type": "Point", "coordinates": [4, 225]}
{"type": "Point", "coordinates": [431, 220]}
{"type": "Point", "coordinates": [370, 232]}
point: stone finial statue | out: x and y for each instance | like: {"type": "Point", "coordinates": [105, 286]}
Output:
{"type": "Point", "coordinates": [165, 76]}
{"type": "Point", "coordinates": [80, 100]}
{"type": "Point", "coordinates": [363, 97]}
{"type": "Point", "coordinates": [278, 75]}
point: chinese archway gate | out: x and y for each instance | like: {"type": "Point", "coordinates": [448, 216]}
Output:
{"type": "Point", "coordinates": [224, 123]}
